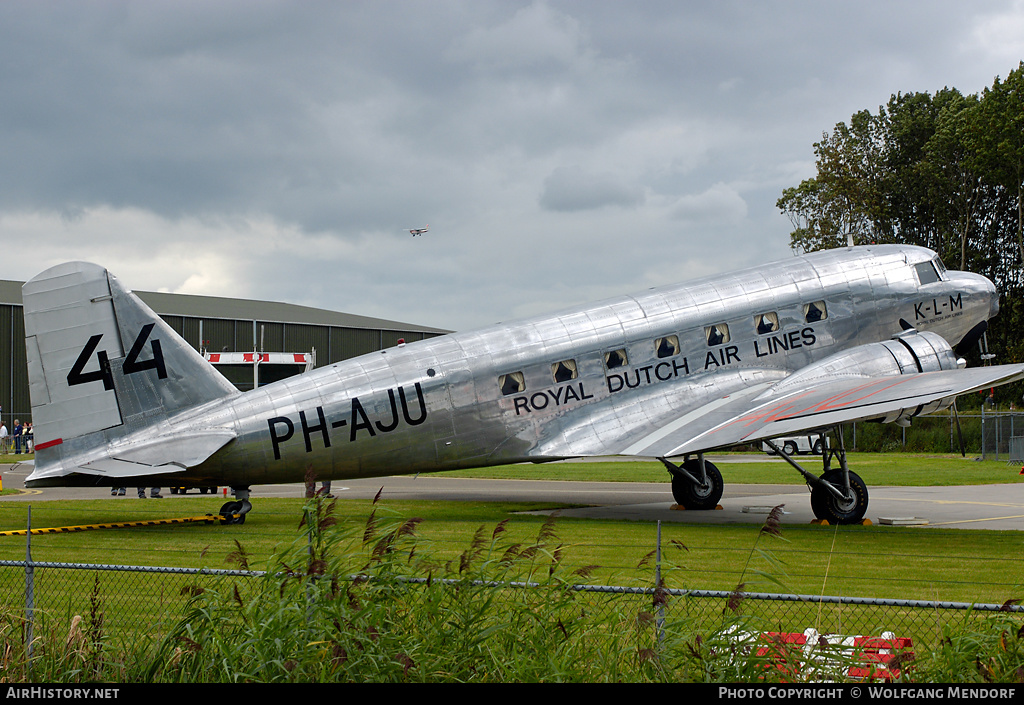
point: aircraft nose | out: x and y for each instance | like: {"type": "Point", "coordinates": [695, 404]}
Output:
{"type": "Point", "coordinates": [983, 287]}
{"type": "Point", "coordinates": [993, 298]}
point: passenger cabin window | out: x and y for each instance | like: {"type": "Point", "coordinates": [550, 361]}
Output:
{"type": "Point", "coordinates": [717, 334]}
{"type": "Point", "coordinates": [926, 273]}
{"type": "Point", "coordinates": [615, 358]}
{"type": "Point", "coordinates": [766, 323]}
{"type": "Point", "coordinates": [815, 312]}
{"type": "Point", "coordinates": [564, 371]}
{"type": "Point", "coordinates": [667, 346]}
{"type": "Point", "coordinates": [512, 383]}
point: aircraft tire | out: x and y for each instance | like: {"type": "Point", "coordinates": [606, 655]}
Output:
{"type": "Point", "coordinates": [695, 497]}
{"type": "Point", "coordinates": [232, 508]}
{"type": "Point", "coordinates": [826, 506]}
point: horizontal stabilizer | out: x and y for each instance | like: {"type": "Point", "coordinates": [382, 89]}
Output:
{"type": "Point", "coordinates": [153, 457]}
{"type": "Point", "coordinates": [114, 469]}
{"type": "Point", "coordinates": [184, 451]}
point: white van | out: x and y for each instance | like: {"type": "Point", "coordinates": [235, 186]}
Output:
{"type": "Point", "coordinates": [798, 445]}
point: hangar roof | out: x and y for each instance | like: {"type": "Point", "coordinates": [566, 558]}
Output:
{"type": "Point", "coordinates": [244, 309]}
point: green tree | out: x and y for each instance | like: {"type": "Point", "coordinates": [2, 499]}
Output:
{"type": "Point", "coordinates": [945, 171]}
{"type": "Point", "coordinates": [844, 198]}
{"type": "Point", "coordinates": [998, 141]}
{"type": "Point", "coordinates": [952, 186]}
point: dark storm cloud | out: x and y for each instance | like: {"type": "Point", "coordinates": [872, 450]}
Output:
{"type": "Point", "coordinates": [280, 149]}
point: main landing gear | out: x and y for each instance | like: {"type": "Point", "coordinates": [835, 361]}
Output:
{"type": "Point", "coordinates": [234, 512]}
{"type": "Point", "coordinates": [696, 484]}
{"type": "Point", "coordinates": [839, 496]}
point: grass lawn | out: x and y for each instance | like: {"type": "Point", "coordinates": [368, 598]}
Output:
{"type": "Point", "coordinates": [920, 563]}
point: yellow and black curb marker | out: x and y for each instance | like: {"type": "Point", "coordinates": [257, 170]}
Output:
{"type": "Point", "coordinates": [206, 519]}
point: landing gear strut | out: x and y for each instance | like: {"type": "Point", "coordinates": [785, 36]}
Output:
{"type": "Point", "coordinates": [696, 484]}
{"type": "Point", "coordinates": [838, 496]}
{"type": "Point", "coordinates": [234, 512]}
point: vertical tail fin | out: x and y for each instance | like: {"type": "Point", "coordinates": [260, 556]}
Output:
{"type": "Point", "coordinates": [102, 364]}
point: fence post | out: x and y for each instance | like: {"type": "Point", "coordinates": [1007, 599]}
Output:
{"type": "Point", "coordinates": [657, 589]}
{"type": "Point", "coordinates": [30, 595]}
{"type": "Point", "coordinates": [999, 432]}
{"type": "Point", "coordinates": [983, 430]}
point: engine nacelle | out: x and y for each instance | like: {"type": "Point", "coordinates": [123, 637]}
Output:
{"type": "Point", "coordinates": [910, 352]}
{"type": "Point", "coordinates": [922, 351]}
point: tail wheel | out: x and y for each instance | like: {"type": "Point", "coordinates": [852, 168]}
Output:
{"type": "Point", "coordinates": [849, 510]}
{"type": "Point", "coordinates": [697, 496]}
{"type": "Point", "coordinates": [234, 512]}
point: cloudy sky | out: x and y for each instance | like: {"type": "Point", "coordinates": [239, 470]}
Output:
{"type": "Point", "coordinates": [559, 151]}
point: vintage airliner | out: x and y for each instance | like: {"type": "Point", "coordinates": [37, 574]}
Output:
{"type": "Point", "coordinates": [810, 342]}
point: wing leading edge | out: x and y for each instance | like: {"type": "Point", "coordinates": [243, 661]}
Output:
{"type": "Point", "coordinates": [762, 412]}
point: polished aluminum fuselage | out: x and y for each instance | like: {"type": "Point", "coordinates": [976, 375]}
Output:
{"type": "Point", "coordinates": [440, 404]}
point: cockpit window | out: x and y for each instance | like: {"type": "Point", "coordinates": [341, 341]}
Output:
{"type": "Point", "coordinates": [926, 273]}
{"type": "Point", "coordinates": [667, 346]}
{"type": "Point", "coordinates": [564, 371]}
{"type": "Point", "coordinates": [814, 312]}
{"type": "Point", "coordinates": [512, 383]}
{"type": "Point", "coordinates": [766, 323]}
{"type": "Point", "coordinates": [717, 334]}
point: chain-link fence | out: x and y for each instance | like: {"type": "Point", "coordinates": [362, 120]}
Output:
{"type": "Point", "coordinates": [998, 433]}
{"type": "Point", "coordinates": [139, 600]}
{"type": "Point", "coordinates": [988, 434]}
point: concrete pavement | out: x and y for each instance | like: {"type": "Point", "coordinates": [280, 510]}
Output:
{"type": "Point", "coordinates": [966, 507]}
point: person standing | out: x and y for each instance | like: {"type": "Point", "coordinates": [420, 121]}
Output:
{"type": "Point", "coordinates": [17, 437]}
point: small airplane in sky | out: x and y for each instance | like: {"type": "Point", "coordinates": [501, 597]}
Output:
{"type": "Point", "coordinates": [811, 342]}
{"type": "Point", "coordinates": [419, 231]}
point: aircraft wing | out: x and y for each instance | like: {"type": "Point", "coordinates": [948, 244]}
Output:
{"type": "Point", "coordinates": [760, 412]}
